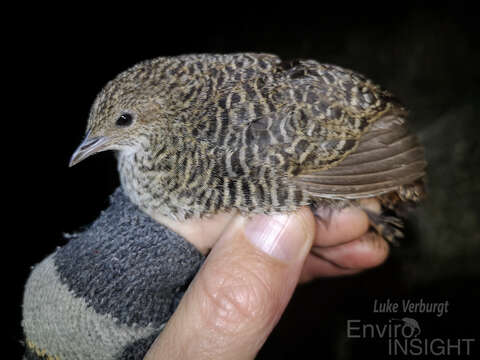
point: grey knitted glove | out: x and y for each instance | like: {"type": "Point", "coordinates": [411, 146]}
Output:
{"type": "Point", "coordinates": [108, 292]}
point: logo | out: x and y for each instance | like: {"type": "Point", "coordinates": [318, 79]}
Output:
{"type": "Point", "coordinates": [411, 324]}
{"type": "Point", "coordinates": [403, 335]}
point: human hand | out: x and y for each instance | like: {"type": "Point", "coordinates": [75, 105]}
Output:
{"type": "Point", "coordinates": [243, 287]}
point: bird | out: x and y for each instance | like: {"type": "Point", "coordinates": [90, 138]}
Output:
{"type": "Point", "coordinates": [200, 134]}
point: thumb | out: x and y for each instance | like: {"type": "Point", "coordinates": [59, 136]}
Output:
{"type": "Point", "coordinates": [241, 290]}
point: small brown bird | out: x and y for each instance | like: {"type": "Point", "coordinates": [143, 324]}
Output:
{"type": "Point", "coordinates": [202, 134]}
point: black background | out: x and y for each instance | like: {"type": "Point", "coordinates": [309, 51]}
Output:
{"type": "Point", "coordinates": [58, 59]}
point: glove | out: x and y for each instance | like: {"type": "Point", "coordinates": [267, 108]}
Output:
{"type": "Point", "coordinates": [110, 290]}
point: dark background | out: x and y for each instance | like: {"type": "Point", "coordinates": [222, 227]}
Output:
{"type": "Point", "coordinates": [58, 59]}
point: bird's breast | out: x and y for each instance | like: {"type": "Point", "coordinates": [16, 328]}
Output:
{"type": "Point", "coordinates": [185, 184]}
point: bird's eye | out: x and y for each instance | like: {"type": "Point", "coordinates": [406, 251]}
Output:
{"type": "Point", "coordinates": [124, 120]}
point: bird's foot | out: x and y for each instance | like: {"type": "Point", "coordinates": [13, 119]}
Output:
{"type": "Point", "coordinates": [388, 227]}
{"type": "Point", "coordinates": [322, 214]}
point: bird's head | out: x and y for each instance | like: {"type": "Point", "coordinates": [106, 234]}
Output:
{"type": "Point", "coordinates": [125, 113]}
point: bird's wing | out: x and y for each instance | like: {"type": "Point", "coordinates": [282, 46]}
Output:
{"type": "Point", "coordinates": [369, 150]}
{"type": "Point", "coordinates": [332, 131]}
{"type": "Point", "coordinates": [387, 156]}
{"type": "Point", "coordinates": [340, 136]}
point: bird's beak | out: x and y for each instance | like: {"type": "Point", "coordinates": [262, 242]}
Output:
{"type": "Point", "coordinates": [89, 146]}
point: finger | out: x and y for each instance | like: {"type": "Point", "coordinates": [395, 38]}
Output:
{"type": "Point", "coordinates": [371, 204]}
{"type": "Point", "coordinates": [340, 226]}
{"type": "Point", "coordinates": [316, 267]}
{"type": "Point", "coordinates": [201, 233]}
{"type": "Point", "coordinates": [368, 251]}
{"type": "Point", "coordinates": [240, 292]}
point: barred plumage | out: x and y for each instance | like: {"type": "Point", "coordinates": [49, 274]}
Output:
{"type": "Point", "coordinates": [248, 131]}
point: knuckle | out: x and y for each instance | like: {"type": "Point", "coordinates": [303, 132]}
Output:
{"type": "Point", "coordinates": [236, 297]}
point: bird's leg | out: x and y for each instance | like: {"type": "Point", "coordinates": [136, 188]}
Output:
{"type": "Point", "coordinates": [323, 214]}
{"type": "Point", "coordinates": [383, 218]}
{"type": "Point", "coordinates": [388, 227]}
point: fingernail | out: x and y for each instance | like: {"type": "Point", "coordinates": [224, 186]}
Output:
{"type": "Point", "coordinates": [327, 213]}
{"type": "Point", "coordinates": [277, 236]}
{"type": "Point", "coordinates": [371, 204]}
